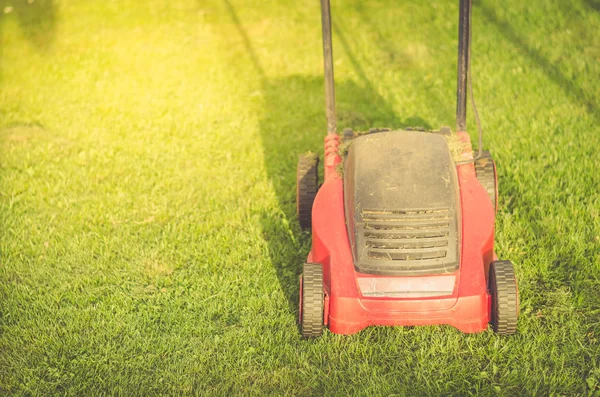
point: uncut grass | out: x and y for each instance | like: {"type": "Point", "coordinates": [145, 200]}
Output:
{"type": "Point", "coordinates": [149, 243]}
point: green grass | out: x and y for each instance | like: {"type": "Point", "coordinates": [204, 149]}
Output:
{"type": "Point", "coordinates": [148, 238]}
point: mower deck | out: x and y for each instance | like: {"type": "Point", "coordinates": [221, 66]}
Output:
{"type": "Point", "coordinates": [355, 298]}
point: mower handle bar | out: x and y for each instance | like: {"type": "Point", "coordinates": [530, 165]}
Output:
{"type": "Point", "coordinates": [464, 53]}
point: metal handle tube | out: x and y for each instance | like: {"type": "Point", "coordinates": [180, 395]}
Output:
{"type": "Point", "coordinates": [464, 53]}
{"type": "Point", "coordinates": [328, 65]}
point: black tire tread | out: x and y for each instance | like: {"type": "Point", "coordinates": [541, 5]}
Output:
{"type": "Point", "coordinates": [503, 285]}
{"type": "Point", "coordinates": [312, 300]}
{"type": "Point", "coordinates": [307, 185]}
{"type": "Point", "coordinates": [486, 175]}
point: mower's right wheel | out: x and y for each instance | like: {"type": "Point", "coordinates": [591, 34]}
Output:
{"type": "Point", "coordinates": [485, 169]}
{"type": "Point", "coordinates": [311, 300]}
{"type": "Point", "coordinates": [505, 297]}
{"type": "Point", "coordinates": [307, 185]}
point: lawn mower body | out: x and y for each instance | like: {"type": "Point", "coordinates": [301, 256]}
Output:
{"type": "Point", "coordinates": [403, 225]}
{"type": "Point", "coordinates": [405, 244]}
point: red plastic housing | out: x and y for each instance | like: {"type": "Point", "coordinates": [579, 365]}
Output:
{"type": "Point", "coordinates": [465, 305]}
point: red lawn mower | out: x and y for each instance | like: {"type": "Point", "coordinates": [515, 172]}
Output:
{"type": "Point", "coordinates": [403, 225]}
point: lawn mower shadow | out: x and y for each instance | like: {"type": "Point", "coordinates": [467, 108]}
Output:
{"type": "Point", "coordinates": [293, 123]}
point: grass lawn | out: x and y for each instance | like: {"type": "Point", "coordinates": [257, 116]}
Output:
{"type": "Point", "coordinates": [148, 239]}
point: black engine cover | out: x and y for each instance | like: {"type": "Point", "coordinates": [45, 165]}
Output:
{"type": "Point", "coordinates": [401, 196]}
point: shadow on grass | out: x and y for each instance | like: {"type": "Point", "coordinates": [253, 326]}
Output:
{"type": "Point", "coordinates": [292, 123]}
{"type": "Point", "coordinates": [571, 267]}
{"type": "Point", "coordinates": [595, 4]}
{"type": "Point", "coordinates": [392, 51]}
{"type": "Point", "coordinates": [571, 89]}
{"type": "Point", "coordinates": [36, 18]}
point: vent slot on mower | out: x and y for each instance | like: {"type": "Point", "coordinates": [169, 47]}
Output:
{"type": "Point", "coordinates": [408, 235]}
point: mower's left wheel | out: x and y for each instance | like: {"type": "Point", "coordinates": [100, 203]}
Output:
{"type": "Point", "coordinates": [307, 185]}
{"type": "Point", "coordinates": [311, 300]}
